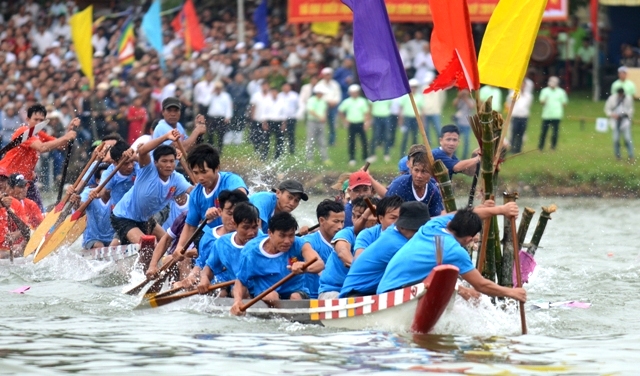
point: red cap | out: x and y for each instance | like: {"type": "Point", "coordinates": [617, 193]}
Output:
{"type": "Point", "coordinates": [359, 178]}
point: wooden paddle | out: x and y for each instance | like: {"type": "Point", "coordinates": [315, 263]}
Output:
{"type": "Point", "coordinates": [185, 165]}
{"type": "Point", "coordinates": [65, 167]}
{"type": "Point", "coordinates": [52, 217]}
{"type": "Point", "coordinates": [164, 268]}
{"type": "Point", "coordinates": [516, 259]}
{"type": "Point", "coordinates": [372, 208]}
{"type": "Point", "coordinates": [28, 133]}
{"type": "Point", "coordinates": [66, 233]}
{"type": "Point", "coordinates": [312, 228]}
{"type": "Point", "coordinates": [160, 301]}
{"type": "Point", "coordinates": [281, 282]}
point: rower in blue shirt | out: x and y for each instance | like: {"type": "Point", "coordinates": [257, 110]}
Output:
{"type": "Point", "coordinates": [330, 216]}
{"type": "Point", "coordinates": [285, 199]}
{"type": "Point", "coordinates": [418, 185]}
{"type": "Point", "coordinates": [267, 259]}
{"type": "Point", "coordinates": [449, 141]}
{"type": "Point", "coordinates": [224, 259]}
{"type": "Point", "coordinates": [204, 161]}
{"type": "Point", "coordinates": [340, 260]}
{"type": "Point", "coordinates": [416, 259]}
{"type": "Point", "coordinates": [179, 205]}
{"type": "Point", "coordinates": [156, 185]}
{"type": "Point", "coordinates": [387, 212]}
{"type": "Point", "coordinates": [123, 180]}
{"type": "Point", "coordinates": [98, 232]}
{"type": "Point", "coordinates": [367, 270]}
{"type": "Point", "coordinates": [171, 108]}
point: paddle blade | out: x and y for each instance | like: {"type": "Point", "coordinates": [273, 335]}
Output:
{"type": "Point", "coordinates": [56, 240]}
{"type": "Point", "coordinates": [36, 238]}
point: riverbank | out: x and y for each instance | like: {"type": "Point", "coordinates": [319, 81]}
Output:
{"type": "Point", "coordinates": [582, 165]}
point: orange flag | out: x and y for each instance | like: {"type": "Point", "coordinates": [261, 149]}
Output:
{"type": "Point", "coordinates": [186, 23]}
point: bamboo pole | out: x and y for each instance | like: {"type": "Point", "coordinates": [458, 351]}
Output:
{"type": "Point", "coordinates": [545, 216]}
{"type": "Point", "coordinates": [527, 215]}
{"type": "Point", "coordinates": [516, 257]}
{"type": "Point", "coordinates": [505, 127]}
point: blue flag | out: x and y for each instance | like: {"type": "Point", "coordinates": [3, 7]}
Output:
{"type": "Point", "coordinates": [152, 28]}
{"type": "Point", "coordinates": [380, 68]}
{"type": "Point", "coordinates": [260, 20]}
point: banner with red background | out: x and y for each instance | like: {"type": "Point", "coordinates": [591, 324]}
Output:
{"type": "Point", "coordinates": [306, 11]}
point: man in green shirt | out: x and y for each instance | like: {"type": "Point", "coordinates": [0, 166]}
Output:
{"type": "Point", "coordinates": [408, 116]}
{"type": "Point", "coordinates": [553, 100]}
{"type": "Point", "coordinates": [355, 115]}
{"type": "Point", "coordinates": [584, 62]}
{"type": "Point", "coordinates": [622, 83]}
{"type": "Point", "coordinates": [317, 110]}
{"type": "Point", "coordinates": [381, 112]}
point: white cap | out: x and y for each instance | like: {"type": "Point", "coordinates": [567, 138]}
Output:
{"type": "Point", "coordinates": [240, 46]}
{"type": "Point", "coordinates": [258, 46]}
{"type": "Point", "coordinates": [140, 75]}
{"type": "Point", "coordinates": [98, 54]}
{"type": "Point", "coordinates": [413, 82]}
{"type": "Point", "coordinates": [55, 44]}
{"type": "Point", "coordinates": [103, 86]}
{"type": "Point", "coordinates": [326, 70]}
{"type": "Point", "coordinates": [354, 88]}
{"type": "Point", "coordinates": [622, 69]}
{"type": "Point", "coordinates": [318, 89]}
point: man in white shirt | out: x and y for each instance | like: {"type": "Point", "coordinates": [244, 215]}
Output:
{"type": "Point", "coordinates": [291, 100]}
{"type": "Point", "coordinates": [219, 114]}
{"type": "Point", "coordinates": [21, 18]}
{"type": "Point", "coordinates": [61, 28]}
{"type": "Point", "coordinates": [99, 41]}
{"type": "Point", "coordinates": [202, 92]}
{"type": "Point", "coordinates": [259, 103]}
{"type": "Point", "coordinates": [619, 108]}
{"type": "Point", "coordinates": [333, 97]}
{"type": "Point", "coordinates": [42, 38]}
{"type": "Point", "coordinates": [432, 110]}
{"type": "Point", "coordinates": [519, 116]}
{"type": "Point", "coordinates": [423, 63]}
{"type": "Point", "coordinates": [275, 121]}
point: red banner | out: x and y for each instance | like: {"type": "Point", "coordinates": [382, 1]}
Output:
{"type": "Point", "coordinates": [306, 11]}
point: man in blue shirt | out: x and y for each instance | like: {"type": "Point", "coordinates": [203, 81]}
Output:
{"type": "Point", "coordinates": [224, 257]}
{"type": "Point", "coordinates": [415, 260]}
{"type": "Point", "coordinates": [340, 260]}
{"type": "Point", "coordinates": [156, 185]}
{"type": "Point", "coordinates": [330, 216]}
{"type": "Point", "coordinates": [418, 185]}
{"type": "Point", "coordinates": [368, 268]}
{"type": "Point", "coordinates": [204, 161]}
{"type": "Point", "coordinates": [98, 232]}
{"type": "Point", "coordinates": [449, 141]}
{"type": "Point", "coordinates": [171, 115]}
{"type": "Point", "coordinates": [267, 259]}
{"type": "Point", "coordinates": [285, 199]}
{"type": "Point", "coordinates": [387, 212]}
{"type": "Point", "coordinates": [123, 180]}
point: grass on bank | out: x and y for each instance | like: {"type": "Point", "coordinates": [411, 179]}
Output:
{"type": "Point", "coordinates": [583, 163]}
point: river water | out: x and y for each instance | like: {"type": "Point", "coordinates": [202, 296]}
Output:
{"type": "Point", "coordinates": [75, 319]}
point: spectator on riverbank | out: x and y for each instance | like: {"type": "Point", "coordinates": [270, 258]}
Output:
{"type": "Point", "coordinates": [622, 82]}
{"type": "Point", "coordinates": [553, 100]}
{"type": "Point", "coordinates": [619, 108]}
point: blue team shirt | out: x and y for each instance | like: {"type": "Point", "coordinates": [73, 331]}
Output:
{"type": "Point", "coordinates": [413, 262]}
{"type": "Point", "coordinates": [448, 161]}
{"type": "Point", "coordinates": [266, 204]}
{"type": "Point", "coordinates": [260, 270]}
{"type": "Point", "coordinates": [206, 245]}
{"type": "Point", "coordinates": [403, 187]}
{"type": "Point", "coordinates": [163, 128]}
{"type": "Point", "coordinates": [348, 214]}
{"type": "Point", "coordinates": [324, 250]}
{"type": "Point", "coordinates": [200, 202]}
{"type": "Point", "coordinates": [335, 272]}
{"type": "Point", "coordinates": [149, 194]}
{"type": "Point", "coordinates": [120, 184]}
{"type": "Point", "coordinates": [98, 222]}
{"type": "Point", "coordinates": [224, 258]}
{"type": "Point", "coordinates": [174, 212]}
{"type": "Point", "coordinates": [367, 236]}
{"type": "Point", "coordinates": [367, 270]}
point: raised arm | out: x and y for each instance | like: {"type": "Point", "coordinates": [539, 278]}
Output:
{"type": "Point", "coordinates": [144, 150]}
{"type": "Point", "coordinates": [200, 129]}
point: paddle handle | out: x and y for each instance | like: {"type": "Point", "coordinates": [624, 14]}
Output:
{"type": "Point", "coordinates": [516, 259]}
{"type": "Point", "coordinates": [474, 183]}
{"type": "Point", "coordinates": [312, 228]}
{"type": "Point", "coordinates": [156, 302]}
{"type": "Point", "coordinates": [64, 169]}
{"type": "Point", "coordinates": [183, 160]}
{"type": "Point", "coordinates": [366, 166]}
{"type": "Point", "coordinates": [485, 238]}
{"type": "Point", "coordinates": [372, 208]}
{"type": "Point", "coordinates": [113, 173]}
{"type": "Point", "coordinates": [66, 196]}
{"type": "Point", "coordinates": [24, 229]}
{"type": "Point", "coordinates": [281, 282]}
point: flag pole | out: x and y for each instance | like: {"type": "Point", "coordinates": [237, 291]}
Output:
{"type": "Point", "coordinates": [240, 21]}
{"type": "Point", "coordinates": [505, 127]}
{"type": "Point", "coordinates": [432, 162]}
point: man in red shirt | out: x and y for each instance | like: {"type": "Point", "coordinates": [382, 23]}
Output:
{"type": "Point", "coordinates": [31, 213]}
{"type": "Point", "coordinates": [9, 231]}
{"type": "Point", "coordinates": [23, 158]}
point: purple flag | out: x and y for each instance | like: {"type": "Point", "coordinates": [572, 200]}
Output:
{"type": "Point", "coordinates": [380, 68]}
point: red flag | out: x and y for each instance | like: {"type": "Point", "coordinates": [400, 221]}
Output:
{"type": "Point", "coordinates": [452, 47]}
{"type": "Point", "coordinates": [455, 74]}
{"type": "Point", "coordinates": [594, 21]}
{"type": "Point", "coordinates": [186, 23]}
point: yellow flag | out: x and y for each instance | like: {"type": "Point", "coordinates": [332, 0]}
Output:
{"type": "Point", "coordinates": [81, 32]}
{"type": "Point", "coordinates": [508, 42]}
{"type": "Point", "coordinates": [329, 29]}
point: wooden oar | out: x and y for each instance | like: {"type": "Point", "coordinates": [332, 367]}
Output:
{"type": "Point", "coordinates": [183, 160]}
{"type": "Point", "coordinates": [372, 208]}
{"type": "Point", "coordinates": [65, 167]}
{"type": "Point", "coordinates": [66, 233]}
{"type": "Point", "coordinates": [164, 268]}
{"type": "Point", "coordinates": [23, 137]}
{"type": "Point", "coordinates": [312, 228]}
{"type": "Point", "coordinates": [516, 259]}
{"type": "Point", "coordinates": [281, 282]}
{"type": "Point", "coordinates": [24, 229]}
{"type": "Point", "coordinates": [157, 301]}
{"type": "Point", "coordinates": [485, 238]}
{"type": "Point", "coordinates": [52, 217]}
